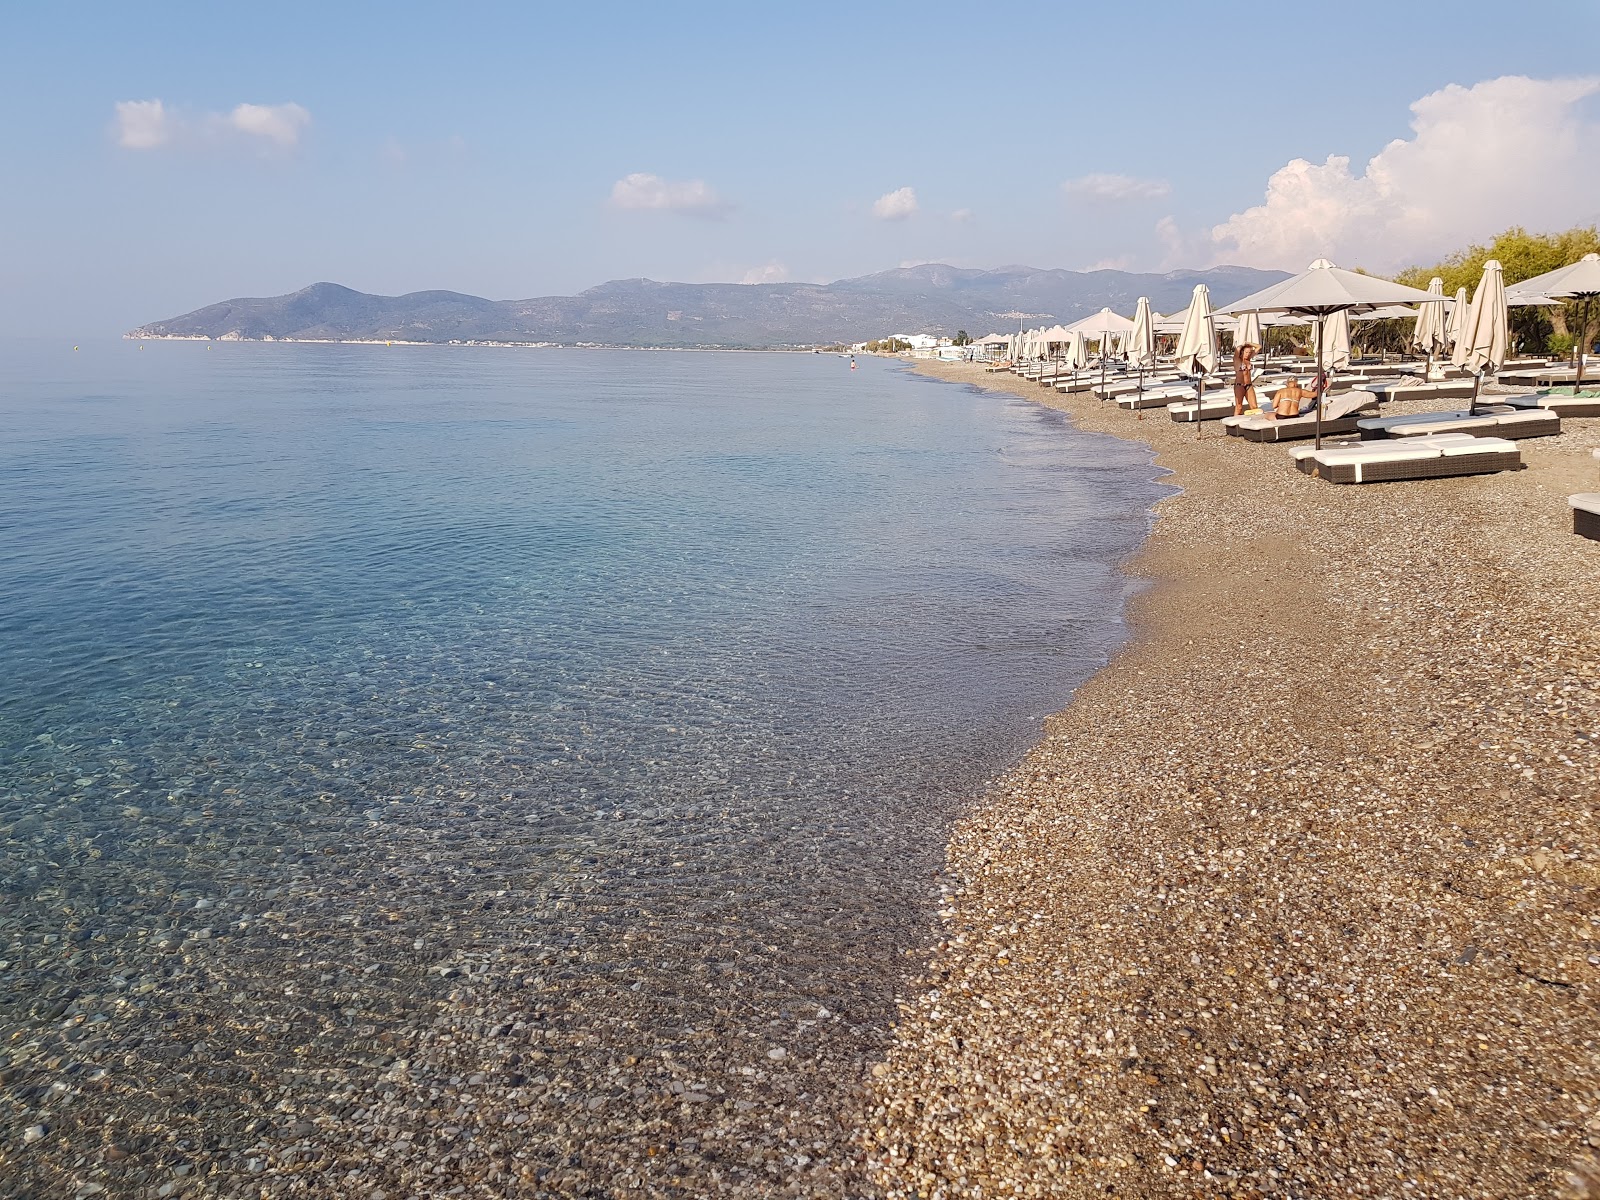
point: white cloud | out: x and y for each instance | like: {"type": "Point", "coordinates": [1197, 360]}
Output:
{"type": "Point", "coordinates": [150, 124]}
{"type": "Point", "coordinates": [962, 214]}
{"type": "Point", "coordinates": [1507, 151]}
{"type": "Point", "coordinates": [1120, 263]}
{"type": "Point", "coordinates": [280, 124]}
{"type": "Point", "coordinates": [772, 272]}
{"type": "Point", "coordinates": [642, 191]}
{"type": "Point", "coordinates": [143, 124]}
{"type": "Point", "coordinates": [896, 205]}
{"type": "Point", "coordinates": [1103, 186]}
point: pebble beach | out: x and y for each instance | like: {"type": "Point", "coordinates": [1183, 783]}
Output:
{"type": "Point", "coordinates": [1301, 895]}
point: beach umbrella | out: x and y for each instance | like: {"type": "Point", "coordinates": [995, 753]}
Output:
{"type": "Point", "coordinates": [1458, 315]}
{"type": "Point", "coordinates": [1318, 292]}
{"type": "Point", "coordinates": [1486, 331]}
{"type": "Point", "coordinates": [1335, 345]}
{"type": "Point", "coordinates": [1102, 326]}
{"type": "Point", "coordinates": [1577, 281]}
{"type": "Point", "coordinates": [1431, 335]}
{"type": "Point", "coordinates": [1248, 331]}
{"type": "Point", "coordinates": [1141, 343]}
{"type": "Point", "coordinates": [1197, 346]}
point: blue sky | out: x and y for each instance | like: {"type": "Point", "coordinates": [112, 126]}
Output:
{"type": "Point", "coordinates": [489, 148]}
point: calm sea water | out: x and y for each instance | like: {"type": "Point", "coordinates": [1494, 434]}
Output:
{"type": "Point", "coordinates": [392, 683]}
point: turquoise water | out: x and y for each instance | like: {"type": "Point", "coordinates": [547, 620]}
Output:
{"type": "Point", "coordinates": [348, 693]}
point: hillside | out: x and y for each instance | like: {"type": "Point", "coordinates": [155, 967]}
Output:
{"type": "Point", "coordinates": [640, 312]}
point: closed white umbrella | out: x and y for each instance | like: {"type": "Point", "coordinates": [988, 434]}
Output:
{"type": "Point", "coordinates": [1141, 342]}
{"type": "Point", "coordinates": [1318, 292]}
{"type": "Point", "coordinates": [1458, 316]}
{"type": "Point", "coordinates": [1486, 332]}
{"type": "Point", "coordinates": [1577, 281]}
{"type": "Point", "coordinates": [1197, 346]}
{"type": "Point", "coordinates": [1247, 332]}
{"type": "Point", "coordinates": [1430, 336]}
{"type": "Point", "coordinates": [1335, 343]}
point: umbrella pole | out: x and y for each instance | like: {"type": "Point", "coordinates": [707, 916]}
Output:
{"type": "Point", "coordinates": [1583, 338]}
{"type": "Point", "coordinates": [1472, 405]}
{"type": "Point", "coordinates": [1323, 390]}
{"type": "Point", "coordinates": [1199, 406]}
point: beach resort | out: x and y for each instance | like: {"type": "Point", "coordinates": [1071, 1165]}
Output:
{"type": "Point", "coordinates": [1299, 896]}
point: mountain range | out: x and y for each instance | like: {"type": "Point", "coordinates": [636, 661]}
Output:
{"type": "Point", "coordinates": [931, 298]}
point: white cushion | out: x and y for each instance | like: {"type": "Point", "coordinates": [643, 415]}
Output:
{"type": "Point", "coordinates": [1587, 501]}
{"type": "Point", "coordinates": [1381, 452]}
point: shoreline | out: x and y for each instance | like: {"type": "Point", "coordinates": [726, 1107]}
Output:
{"type": "Point", "coordinates": [473, 345]}
{"type": "Point", "coordinates": [1301, 892]}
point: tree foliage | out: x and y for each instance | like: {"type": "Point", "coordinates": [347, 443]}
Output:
{"type": "Point", "coordinates": [1522, 255]}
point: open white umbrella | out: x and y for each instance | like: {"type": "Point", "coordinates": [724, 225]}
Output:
{"type": "Point", "coordinates": [1317, 293]}
{"type": "Point", "coordinates": [1197, 346]}
{"type": "Point", "coordinates": [1486, 331]}
{"type": "Point", "coordinates": [1577, 281]}
{"type": "Point", "coordinates": [1101, 326]}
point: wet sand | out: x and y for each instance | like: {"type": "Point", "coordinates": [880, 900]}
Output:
{"type": "Point", "coordinates": [1301, 895]}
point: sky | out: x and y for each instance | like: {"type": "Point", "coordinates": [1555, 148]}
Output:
{"type": "Point", "coordinates": [162, 157]}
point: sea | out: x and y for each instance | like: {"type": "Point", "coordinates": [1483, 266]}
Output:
{"type": "Point", "coordinates": [502, 771]}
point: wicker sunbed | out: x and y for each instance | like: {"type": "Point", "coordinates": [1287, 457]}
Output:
{"type": "Point", "coordinates": [1340, 416]}
{"type": "Point", "coordinates": [1495, 422]}
{"type": "Point", "coordinates": [1562, 405]}
{"type": "Point", "coordinates": [1586, 514]}
{"type": "Point", "coordinates": [1410, 458]}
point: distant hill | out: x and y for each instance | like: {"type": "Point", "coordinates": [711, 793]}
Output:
{"type": "Point", "coordinates": [640, 312]}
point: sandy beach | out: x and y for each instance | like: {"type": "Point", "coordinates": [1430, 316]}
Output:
{"type": "Point", "coordinates": [1301, 895]}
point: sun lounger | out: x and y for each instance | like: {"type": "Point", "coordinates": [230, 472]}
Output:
{"type": "Point", "coordinates": [1563, 405]}
{"type": "Point", "coordinates": [1392, 390]}
{"type": "Point", "coordinates": [1409, 458]}
{"type": "Point", "coordinates": [1586, 514]}
{"type": "Point", "coordinates": [1543, 377]}
{"type": "Point", "coordinates": [1217, 405]}
{"type": "Point", "coordinates": [1497, 421]}
{"type": "Point", "coordinates": [1340, 416]}
{"type": "Point", "coordinates": [1123, 385]}
{"type": "Point", "coordinates": [1158, 396]}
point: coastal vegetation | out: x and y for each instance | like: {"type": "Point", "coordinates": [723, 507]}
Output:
{"type": "Point", "coordinates": [1522, 255]}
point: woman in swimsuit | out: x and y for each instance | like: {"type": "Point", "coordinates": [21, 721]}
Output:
{"type": "Point", "coordinates": [1244, 391]}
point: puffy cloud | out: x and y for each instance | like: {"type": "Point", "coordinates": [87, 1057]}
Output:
{"type": "Point", "coordinates": [150, 124]}
{"type": "Point", "coordinates": [143, 124]}
{"type": "Point", "coordinates": [642, 191]}
{"type": "Point", "coordinates": [1103, 186]}
{"type": "Point", "coordinates": [1507, 151]}
{"type": "Point", "coordinates": [962, 214]}
{"type": "Point", "coordinates": [280, 124]}
{"type": "Point", "coordinates": [772, 272]}
{"type": "Point", "coordinates": [896, 205]}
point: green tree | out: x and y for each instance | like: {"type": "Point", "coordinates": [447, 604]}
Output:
{"type": "Point", "coordinates": [1522, 255]}
{"type": "Point", "coordinates": [961, 338]}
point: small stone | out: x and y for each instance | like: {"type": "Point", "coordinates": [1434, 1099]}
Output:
{"type": "Point", "coordinates": [33, 1133]}
{"type": "Point", "coordinates": [777, 1053]}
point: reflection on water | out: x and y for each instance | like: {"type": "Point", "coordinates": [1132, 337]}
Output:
{"type": "Point", "coordinates": [515, 771]}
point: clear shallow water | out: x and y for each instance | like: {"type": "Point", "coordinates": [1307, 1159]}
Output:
{"type": "Point", "coordinates": [358, 703]}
